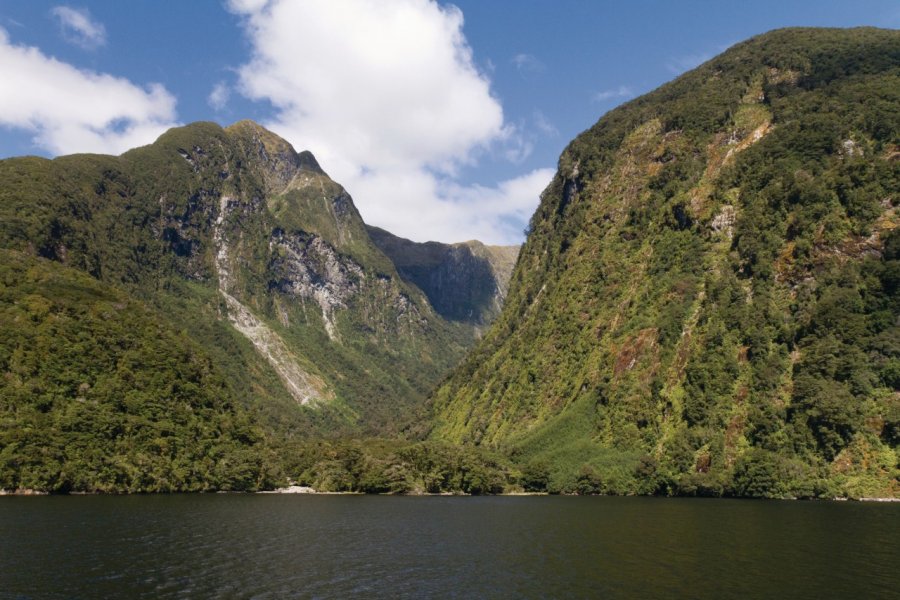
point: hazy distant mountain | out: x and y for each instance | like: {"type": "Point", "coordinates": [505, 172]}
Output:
{"type": "Point", "coordinates": [465, 282]}
{"type": "Point", "coordinates": [708, 299]}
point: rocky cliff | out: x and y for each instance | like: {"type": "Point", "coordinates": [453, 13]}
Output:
{"type": "Point", "coordinates": [465, 282]}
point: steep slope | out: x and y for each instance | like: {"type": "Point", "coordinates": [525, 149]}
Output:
{"type": "Point", "coordinates": [465, 282]}
{"type": "Point", "coordinates": [100, 393]}
{"type": "Point", "coordinates": [708, 301]}
{"type": "Point", "coordinates": [258, 255]}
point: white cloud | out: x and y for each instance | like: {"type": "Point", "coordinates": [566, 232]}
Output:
{"type": "Point", "coordinates": [79, 28]}
{"type": "Point", "coordinates": [218, 97]}
{"type": "Point", "coordinates": [527, 64]}
{"type": "Point", "coordinates": [623, 91]}
{"type": "Point", "coordinates": [72, 110]}
{"type": "Point", "coordinates": [247, 6]}
{"type": "Point", "coordinates": [372, 83]}
{"type": "Point", "coordinates": [544, 125]}
{"type": "Point", "coordinates": [388, 98]}
{"type": "Point", "coordinates": [424, 208]}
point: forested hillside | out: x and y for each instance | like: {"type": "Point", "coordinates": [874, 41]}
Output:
{"type": "Point", "coordinates": [707, 302]}
{"type": "Point", "coordinates": [99, 394]}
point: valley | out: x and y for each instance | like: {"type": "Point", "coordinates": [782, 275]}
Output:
{"type": "Point", "coordinates": [706, 304]}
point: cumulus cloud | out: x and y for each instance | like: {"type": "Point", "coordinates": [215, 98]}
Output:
{"type": "Point", "coordinates": [73, 110]}
{"type": "Point", "coordinates": [421, 207]}
{"type": "Point", "coordinates": [218, 97]}
{"type": "Point", "coordinates": [388, 98]}
{"type": "Point", "coordinates": [623, 91]}
{"type": "Point", "coordinates": [383, 83]}
{"type": "Point", "coordinates": [79, 28]}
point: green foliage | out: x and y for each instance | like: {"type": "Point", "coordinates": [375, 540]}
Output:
{"type": "Point", "coordinates": [385, 466]}
{"type": "Point", "coordinates": [100, 394]}
{"type": "Point", "coordinates": [171, 226]}
{"type": "Point", "coordinates": [153, 222]}
{"type": "Point", "coordinates": [707, 300]}
{"type": "Point", "coordinates": [756, 474]}
{"type": "Point", "coordinates": [535, 477]}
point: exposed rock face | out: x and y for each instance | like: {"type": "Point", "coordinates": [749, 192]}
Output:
{"type": "Point", "coordinates": [305, 266]}
{"type": "Point", "coordinates": [303, 387]}
{"type": "Point", "coordinates": [464, 282]}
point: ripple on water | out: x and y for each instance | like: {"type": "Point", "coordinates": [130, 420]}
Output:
{"type": "Point", "coordinates": [273, 546]}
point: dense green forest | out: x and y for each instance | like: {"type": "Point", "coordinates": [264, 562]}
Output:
{"type": "Point", "coordinates": [101, 394]}
{"type": "Point", "coordinates": [707, 302]}
{"type": "Point", "coordinates": [206, 211]}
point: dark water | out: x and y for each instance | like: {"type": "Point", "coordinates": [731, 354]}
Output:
{"type": "Point", "coordinates": [244, 546]}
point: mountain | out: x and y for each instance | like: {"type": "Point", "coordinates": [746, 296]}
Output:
{"type": "Point", "coordinates": [465, 282]}
{"type": "Point", "coordinates": [194, 300]}
{"type": "Point", "coordinates": [707, 302]}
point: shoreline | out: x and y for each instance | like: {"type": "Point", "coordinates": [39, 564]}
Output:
{"type": "Point", "coordinates": [306, 490]}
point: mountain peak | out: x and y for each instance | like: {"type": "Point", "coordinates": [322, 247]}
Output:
{"type": "Point", "coordinates": [281, 162]}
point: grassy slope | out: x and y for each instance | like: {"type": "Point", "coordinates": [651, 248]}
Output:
{"type": "Point", "coordinates": [704, 303]}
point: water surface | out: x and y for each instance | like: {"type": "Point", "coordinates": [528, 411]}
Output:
{"type": "Point", "coordinates": [278, 546]}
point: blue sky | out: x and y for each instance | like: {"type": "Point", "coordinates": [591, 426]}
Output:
{"type": "Point", "coordinates": [444, 121]}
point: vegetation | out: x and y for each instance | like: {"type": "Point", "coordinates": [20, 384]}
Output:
{"type": "Point", "coordinates": [707, 301]}
{"type": "Point", "coordinates": [101, 394]}
{"type": "Point", "coordinates": [706, 305]}
{"type": "Point", "coordinates": [392, 466]}
{"type": "Point", "coordinates": [183, 228]}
